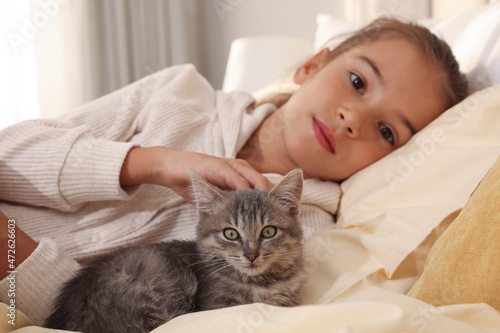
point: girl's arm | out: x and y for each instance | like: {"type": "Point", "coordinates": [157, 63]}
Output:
{"type": "Point", "coordinates": [168, 167]}
{"type": "Point", "coordinates": [53, 164]}
{"type": "Point", "coordinates": [80, 158]}
{"type": "Point", "coordinates": [64, 163]}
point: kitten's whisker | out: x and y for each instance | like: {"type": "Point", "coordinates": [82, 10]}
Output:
{"type": "Point", "coordinates": [208, 260]}
{"type": "Point", "coordinates": [212, 272]}
{"type": "Point", "coordinates": [228, 265]}
{"type": "Point", "coordinates": [212, 263]}
{"type": "Point", "coordinates": [207, 267]}
{"type": "Point", "coordinates": [214, 260]}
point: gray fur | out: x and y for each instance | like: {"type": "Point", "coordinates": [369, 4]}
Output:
{"type": "Point", "coordinates": [138, 289]}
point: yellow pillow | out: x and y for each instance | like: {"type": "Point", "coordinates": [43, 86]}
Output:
{"type": "Point", "coordinates": [463, 266]}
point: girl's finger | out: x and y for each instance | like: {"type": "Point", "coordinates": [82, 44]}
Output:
{"type": "Point", "coordinates": [253, 178]}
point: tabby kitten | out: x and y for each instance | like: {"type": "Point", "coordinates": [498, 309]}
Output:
{"type": "Point", "coordinates": [248, 249]}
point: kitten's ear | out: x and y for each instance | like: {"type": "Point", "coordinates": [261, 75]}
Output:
{"type": "Point", "coordinates": [207, 197]}
{"type": "Point", "coordinates": [289, 191]}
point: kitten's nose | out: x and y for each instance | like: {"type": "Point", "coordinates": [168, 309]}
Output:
{"type": "Point", "coordinates": [252, 256]}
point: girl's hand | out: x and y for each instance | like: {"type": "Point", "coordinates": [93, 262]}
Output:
{"type": "Point", "coordinates": [167, 167]}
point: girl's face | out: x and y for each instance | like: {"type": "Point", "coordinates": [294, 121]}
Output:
{"type": "Point", "coordinates": [358, 107]}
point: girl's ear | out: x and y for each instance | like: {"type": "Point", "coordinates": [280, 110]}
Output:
{"type": "Point", "coordinates": [311, 67]}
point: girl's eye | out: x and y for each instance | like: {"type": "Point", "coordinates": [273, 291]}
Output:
{"type": "Point", "coordinates": [386, 133]}
{"type": "Point", "coordinates": [358, 83]}
{"type": "Point", "coordinates": [268, 231]}
{"type": "Point", "coordinates": [231, 234]}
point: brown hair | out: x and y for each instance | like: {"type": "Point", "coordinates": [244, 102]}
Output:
{"type": "Point", "coordinates": [436, 50]}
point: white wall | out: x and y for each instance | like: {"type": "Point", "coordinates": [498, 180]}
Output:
{"type": "Point", "coordinates": [446, 8]}
{"type": "Point", "coordinates": [227, 20]}
{"type": "Point", "coordinates": [364, 11]}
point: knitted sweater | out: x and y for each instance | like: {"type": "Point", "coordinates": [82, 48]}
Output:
{"type": "Point", "coordinates": [59, 178]}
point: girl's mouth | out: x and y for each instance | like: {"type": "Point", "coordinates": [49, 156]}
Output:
{"type": "Point", "coordinates": [324, 136]}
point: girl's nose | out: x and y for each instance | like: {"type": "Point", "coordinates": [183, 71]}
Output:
{"type": "Point", "coordinates": [350, 121]}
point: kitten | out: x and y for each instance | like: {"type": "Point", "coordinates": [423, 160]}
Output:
{"type": "Point", "coordinates": [248, 249]}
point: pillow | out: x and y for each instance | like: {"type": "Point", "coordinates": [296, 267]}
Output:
{"type": "Point", "coordinates": [462, 266]}
{"type": "Point", "coordinates": [472, 36]}
{"type": "Point", "coordinates": [402, 198]}
{"type": "Point", "coordinates": [330, 31]}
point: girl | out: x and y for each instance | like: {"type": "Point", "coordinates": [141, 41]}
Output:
{"type": "Point", "coordinates": [87, 183]}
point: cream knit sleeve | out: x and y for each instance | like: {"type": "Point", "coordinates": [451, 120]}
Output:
{"type": "Point", "coordinates": [64, 163]}
{"type": "Point", "coordinates": [51, 163]}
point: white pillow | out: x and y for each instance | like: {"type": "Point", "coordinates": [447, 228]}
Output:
{"type": "Point", "coordinates": [330, 31]}
{"type": "Point", "coordinates": [473, 37]}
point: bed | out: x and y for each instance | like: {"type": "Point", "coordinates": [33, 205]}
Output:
{"type": "Point", "coordinates": [416, 244]}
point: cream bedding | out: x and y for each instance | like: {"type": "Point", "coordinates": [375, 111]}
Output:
{"type": "Point", "coordinates": [390, 215]}
{"type": "Point", "coordinates": [372, 310]}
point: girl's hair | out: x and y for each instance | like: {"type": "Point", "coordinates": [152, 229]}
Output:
{"type": "Point", "coordinates": [436, 50]}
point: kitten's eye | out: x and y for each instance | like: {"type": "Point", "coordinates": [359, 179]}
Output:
{"type": "Point", "coordinates": [268, 231]}
{"type": "Point", "coordinates": [231, 234]}
{"type": "Point", "coordinates": [357, 83]}
{"type": "Point", "coordinates": [386, 133]}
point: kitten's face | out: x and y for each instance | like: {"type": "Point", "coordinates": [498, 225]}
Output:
{"type": "Point", "coordinates": [256, 232]}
